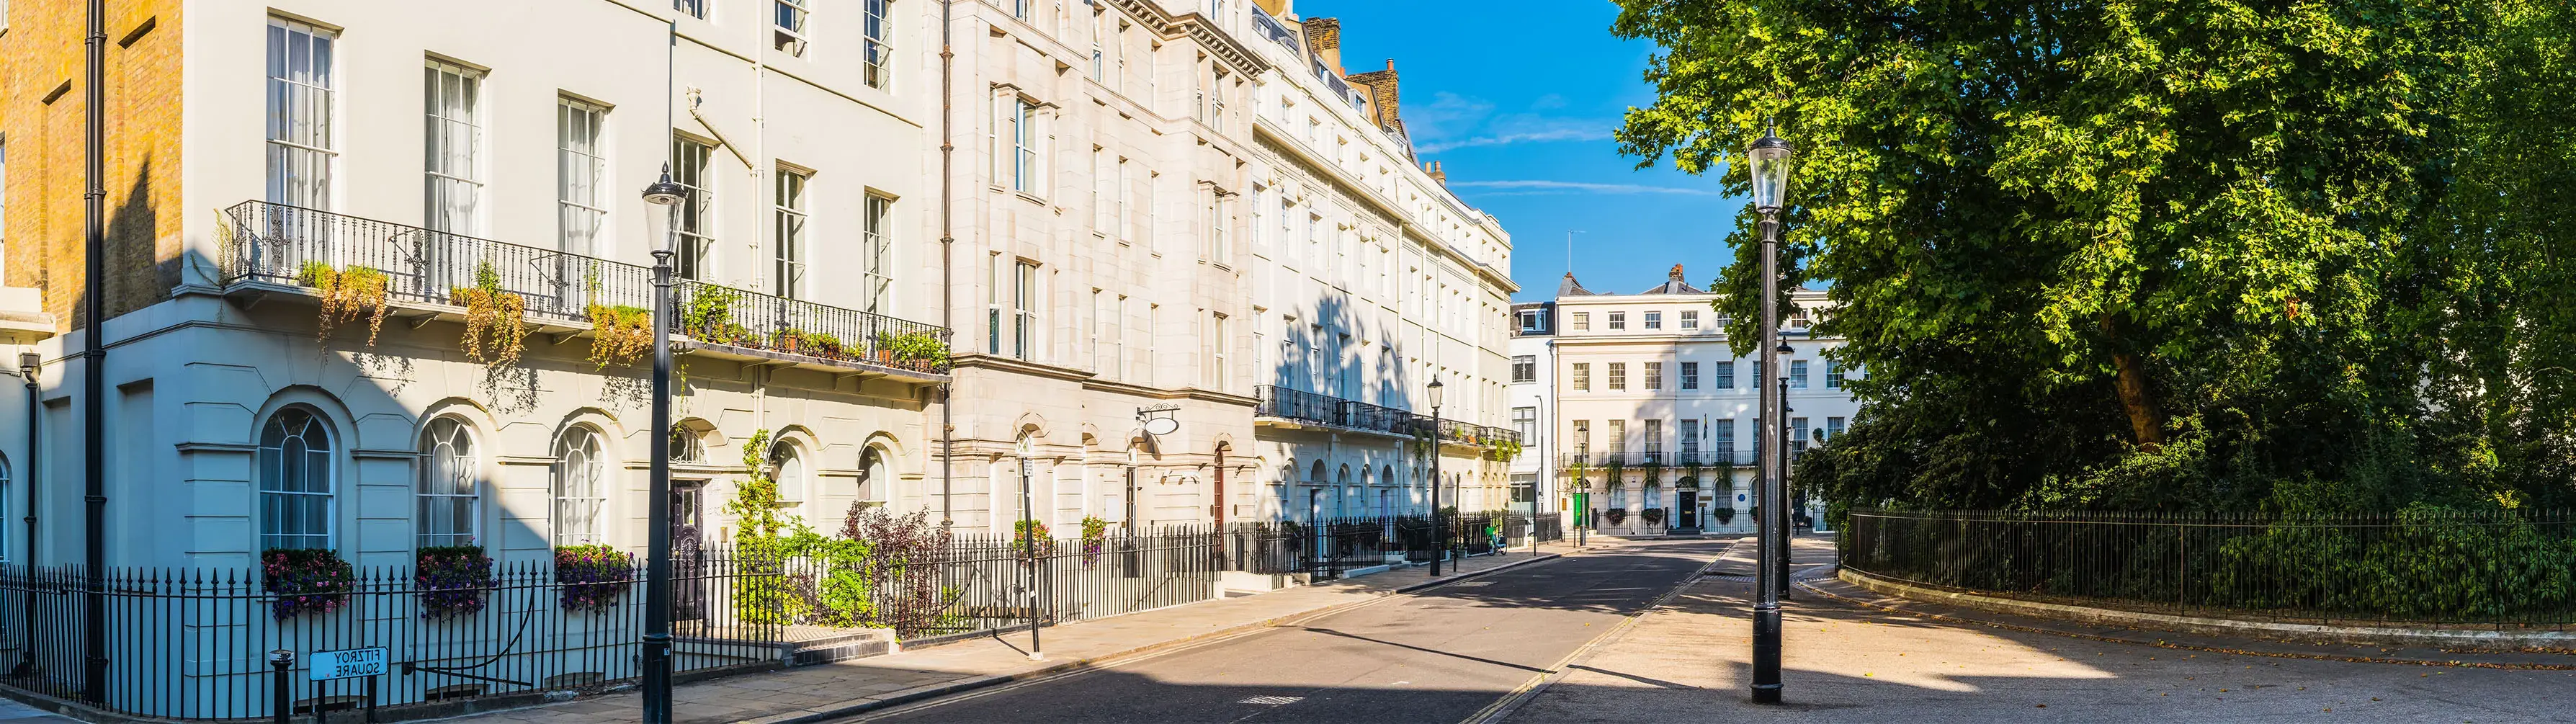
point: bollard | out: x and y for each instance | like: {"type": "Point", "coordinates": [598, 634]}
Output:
{"type": "Point", "coordinates": [283, 661]}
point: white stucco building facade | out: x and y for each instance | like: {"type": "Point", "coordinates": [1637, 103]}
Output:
{"type": "Point", "coordinates": [504, 154]}
{"type": "Point", "coordinates": [1654, 411]}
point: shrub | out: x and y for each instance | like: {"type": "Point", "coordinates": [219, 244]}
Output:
{"type": "Point", "coordinates": [346, 296]}
{"type": "Point", "coordinates": [592, 576]}
{"type": "Point", "coordinates": [305, 580]}
{"type": "Point", "coordinates": [496, 319]}
{"type": "Point", "coordinates": [903, 559]}
{"type": "Point", "coordinates": [451, 580]}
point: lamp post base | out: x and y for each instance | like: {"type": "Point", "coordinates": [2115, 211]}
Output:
{"type": "Point", "coordinates": [1766, 653]}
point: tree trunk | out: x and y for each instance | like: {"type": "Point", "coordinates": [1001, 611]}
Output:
{"type": "Point", "coordinates": [2146, 419]}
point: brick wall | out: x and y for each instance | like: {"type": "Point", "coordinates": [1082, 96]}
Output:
{"type": "Point", "coordinates": [42, 52]}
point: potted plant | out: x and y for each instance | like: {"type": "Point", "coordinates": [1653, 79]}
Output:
{"type": "Point", "coordinates": [451, 579]}
{"type": "Point", "coordinates": [620, 334]}
{"type": "Point", "coordinates": [347, 296]}
{"type": "Point", "coordinates": [1653, 516]}
{"type": "Point", "coordinates": [820, 345]}
{"type": "Point", "coordinates": [920, 351]}
{"type": "Point", "coordinates": [786, 339]}
{"type": "Point", "coordinates": [305, 580]}
{"type": "Point", "coordinates": [1725, 514]}
{"type": "Point", "coordinates": [1616, 516]}
{"type": "Point", "coordinates": [496, 319]}
{"type": "Point", "coordinates": [591, 576]}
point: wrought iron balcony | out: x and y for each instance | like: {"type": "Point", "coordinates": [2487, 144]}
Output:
{"type": "Point", "coordinates": [275, 244]}
{"type": "Point", "coordinates": [1320, 409]}
{"type": "Point", "coordinates": [1647, 459]}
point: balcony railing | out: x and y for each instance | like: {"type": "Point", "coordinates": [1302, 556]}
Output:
{"type": "Point", "coordinates": [1666, 458]}
{"type": "Point", "coordinates": [1291, 404]}
{"type": "Point", "coordinates": [274, 243]}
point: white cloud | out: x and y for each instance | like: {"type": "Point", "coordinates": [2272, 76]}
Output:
{"type": "Point", "coordinates": [1538, 186]}
{"type": "Point", "coordinates": [1505, 139]}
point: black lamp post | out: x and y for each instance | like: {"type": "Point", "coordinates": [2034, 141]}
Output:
{"type": "Point", "coordinates": [1770, 181]}
{"type": "Point", "coordinates": [657, 552]}
{"type": "Point", "coordinates": [1439, 523]}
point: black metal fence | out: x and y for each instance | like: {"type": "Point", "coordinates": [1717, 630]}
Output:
{"type": "Point", "coordinates": [192, 643]}
{"type": "Point", "coordinates": [1294, 404]}
{"type": "Point", "coordinates": [978, 583]}
{"type": "Point", "coordinates": [280, 244]}
{"type": "Point", "coordinates": [2426, 567]}
{"type": "Point", "coordinates": [1331, 548]}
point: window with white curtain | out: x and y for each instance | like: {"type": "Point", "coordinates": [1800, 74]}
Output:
{"type": "Point", "coordinates": [302, 95]}
{"type": "Point", "coordinates": [579, 170]}
{"type": "Point", "coordinates": [789, 247]}
{"type": "Point", "coordinates": [449, 490]}
{"type": "Point", "coordinates": [454, 156]}
{"type": "Point", "coordinates": [692, 8]}
{"type": "Point", "coordinates": [296, 484]}
{"type": "Point", "coordinates": [578, 473]}
{"type": "Point", "coordinates": [877, 255]}
{"type": "Point", "coordinates": [879, 34]}
{"type": "Point", "coordinates": [1217, 343]}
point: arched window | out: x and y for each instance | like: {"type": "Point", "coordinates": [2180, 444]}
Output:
{"type": "Point", "coordinates": [295, 481]}
{"type": "Point", "coordinates": [450, 491]}
{"type": "Point", "coordinates": [789, 472]}
{"type": "Point", "coordinates": [876, 477]}
{"type": "Point", "coordinates": [578, 472]}
{"type": "Point", "coordinates": [1316, 475]}
{"type": "Point", "coordinates": [687, 444]}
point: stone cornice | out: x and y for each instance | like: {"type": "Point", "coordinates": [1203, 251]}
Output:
{"type": "Point", "coordinates": [1219, 44]}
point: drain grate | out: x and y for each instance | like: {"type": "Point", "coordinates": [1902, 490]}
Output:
{"type": "Point", "coordinates": [1273, 700]}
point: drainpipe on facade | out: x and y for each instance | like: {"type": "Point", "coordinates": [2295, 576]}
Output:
{"type": "Point", "coordinates": [30, 365]}
{"type": "Point", "coordinates": [947, 253]}
{"type": "Point", "coordinates": [94, 353]}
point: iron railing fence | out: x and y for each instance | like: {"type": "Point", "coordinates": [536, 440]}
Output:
{"type": "Point", "coordinates": [192, 643]}
{"type": "Point", "coordinates": [968, 583]}
{"type": "Point", "coordinates": [1332, 547]}
{"type": "Point", "coordinates": [280, 244]}
{"type": "Point", "coordinates": [2423, 567]}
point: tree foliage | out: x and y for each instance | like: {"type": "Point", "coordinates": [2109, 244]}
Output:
{"type": "Point", "coordinates": [2157, 254]}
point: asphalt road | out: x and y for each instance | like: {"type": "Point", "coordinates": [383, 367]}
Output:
{"type": "Point", "coordinates": [1438, 655]}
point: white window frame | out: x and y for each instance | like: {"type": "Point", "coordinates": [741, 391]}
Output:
{"type": "Point", "coordinates": [449, 474]}
{"type": "Point", "coordinates": [1654, 320]}
{"type": "Point", "coordinates": [793, 476]}
{"type": "Point", "coordinates": [1218, 375]}
{"type": "Point", "coordinates": [876, 251]}
{"type": "Point", "coordinates": [276, 495]}
{"type": "Point", "coordinates": [452, 192]}
{"type": "Point", "coordinates": [1025, 298]}
{"type": "Point", "coordinates": [302, 117]}
{"type": "Point", "coordinates": [1690, 319]}
{"type": "Point", "coordinates": [788, 231]}
{"type": "Point", "coordinates": [1797, 374]}
{"type": "Point", "coordinates": [581, 207]}
{"type": "Point", "coordinates": [789, 21]}
{"type": "Point", "coordinates": [692, 8]}
{"type": "Point", "coordinates": [1023, 122]}
{"type": "Point", "coordinates": [877, 32]}
{"type": "Point", "coordinates": [697, 207]}
{"type": "Point", "coordinates": [577, 486]}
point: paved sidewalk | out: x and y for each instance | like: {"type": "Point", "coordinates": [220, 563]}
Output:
{"type": "Point", "coordinates": [1847, 661]}
{"type": "Point", "coordinates": [12, 712]}
{"type": "Point", "coordinates": [815, 693]}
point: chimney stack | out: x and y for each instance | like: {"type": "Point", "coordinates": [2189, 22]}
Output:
{"type": "Point", "coordinates": [1439, 175]}
{"type": "Point", "coordinates": [1383, 99]}
{"type": "Point", "coordinates": [1324, 37]}
{"type": "Point", "coordinates": [1677, 272]}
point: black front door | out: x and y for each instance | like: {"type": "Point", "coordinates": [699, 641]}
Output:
{"type": "Point", "coordinates": [688, 551]}
{"type": "Point", "coordinates": [1689, 504]}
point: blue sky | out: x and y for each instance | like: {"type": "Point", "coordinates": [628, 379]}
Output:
{"type": "Point", "coordinates": [1517, 99]}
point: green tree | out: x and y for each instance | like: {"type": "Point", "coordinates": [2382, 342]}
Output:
{"type": "Point", "coordinates": [2151, 254]}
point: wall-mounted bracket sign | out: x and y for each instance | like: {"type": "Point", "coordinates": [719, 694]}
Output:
{"type": "Point", "coordinates": [1158, 419]}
